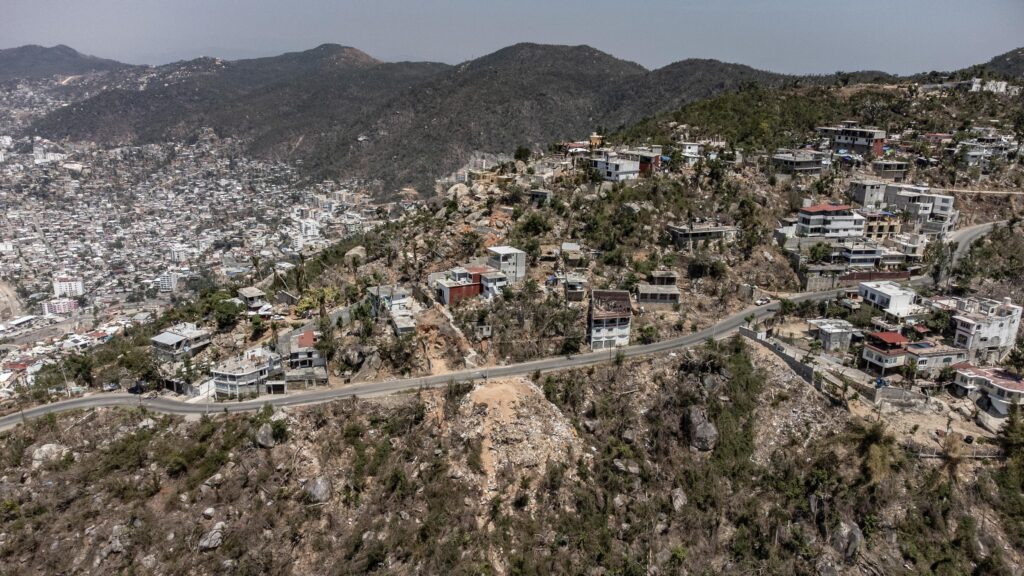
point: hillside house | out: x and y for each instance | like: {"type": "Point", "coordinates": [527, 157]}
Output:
{"type": "Point", "coordinates": [834, 334]}
{"type": "Point", "coordinates": [613, 167]}
{"type": "Point", "coordinates": [931, 357]}
{"type": "Point", "coordinates": [688, 235]}
{"type": "Point", "coordinates": [253, 298]}
{"type": "Point", "coordinates": [986, 328]}
{"type": "Point", "coordinates": [250, 374]}
{"type": "Point", "coordinates": [829, 221]}
{"type": "Point", "coordinates": [885, 351]}
{"type": "Point", "coordinates": [180, 341]}
{"type": "Point", "coordinates": [306, 368]}
{"type": "Point", "coordinates": [868, 193]}
{"type": "Point", "coordinates": [850, 136]}
{"type": "Point", "coordinates": [993, 387]}
{"type": "Point", "coordinates": [892, 299]}
{"type": "Point", "coordinates": [388, 299]}
{"type": "Point", "coordinates": [509, 261]}
{"type": "Point", "coordinates": [799, 162]}
{"type": "Point", "coordinates": [895, 170]}
{"type": "Point", "coordinates": [609, 319]}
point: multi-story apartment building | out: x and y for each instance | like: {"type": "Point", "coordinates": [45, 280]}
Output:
{"type": "Point", "coordinates": [880, 224]}
{"type": "Point", "coordinates": [168, 281]}
{"type": "Point", "coordinates": [60, 306]}
{"type": "Point", "coordinates": [934, 214]}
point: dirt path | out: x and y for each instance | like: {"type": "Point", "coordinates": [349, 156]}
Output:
{"type": "Point", "coordinates": [10, 306]}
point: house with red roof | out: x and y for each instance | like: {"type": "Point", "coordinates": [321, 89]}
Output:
{"type": "Point", "coordinates": [885, 351]}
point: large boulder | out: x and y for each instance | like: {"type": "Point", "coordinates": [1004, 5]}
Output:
{"type": "Point", "coordinates": [678, 499]}
{"type": "Point", "coordinates": [353, 357]}
{"type": "Point", "coordinates": [212, 539]}
{"type": "Point", "coordinates": [458, 191]}
{"type": "Point", "coordinates": [47, 453]}
{"type": "Point", "coordinates": [318, 490]}
{"type": "Point", "coordinates": [702, 432]}
{"type": "Point", "coordinates": [265, 437]}
{"type": "Point", "coordinates": [847, 540]}
{"type": "Point", "coordinates": [356, 255]}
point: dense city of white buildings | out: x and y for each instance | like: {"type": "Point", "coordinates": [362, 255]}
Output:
{"type": "Point", "coordinates": [136, 223]}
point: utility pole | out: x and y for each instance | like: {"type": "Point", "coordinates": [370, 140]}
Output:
{"type": "Point", "coordinates": [67, 387]}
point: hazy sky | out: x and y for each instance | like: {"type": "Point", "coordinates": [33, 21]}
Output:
{"type": "Point", "coordinates": [798, 36]}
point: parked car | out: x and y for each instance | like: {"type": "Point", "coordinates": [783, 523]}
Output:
{"type": "Point", "coordinates": [763, 301]}
{"type": "Point", "coordinates": [111, 386]}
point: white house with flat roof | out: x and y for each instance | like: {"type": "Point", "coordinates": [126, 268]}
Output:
{"type": "Point", "coordinates": [509, 261]}
{"type": "Point", "coordinates": [829, 221]}
{"type": "Point", "coordinates": [613, 167]}
{"type": "Point", "coordinates": [247, 375]}
{"type": "Point", "coordinates": [889, 297]}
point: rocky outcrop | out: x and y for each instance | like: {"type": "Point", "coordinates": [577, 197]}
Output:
{"type": "Point", "coordinates": [702, 432]}
{"type": "Point", "coordinates": [265, 437]}
{"type": "Point", "coordinates": [847, 540]}
{"type": "Point", "coordinates": [318, 490]}
{"type": "Point", "coordinates": [212, 539]}
{"type": "Point", "coordinates": [678, 499]}
{"type": "Point", "coordinates": [47, 453]}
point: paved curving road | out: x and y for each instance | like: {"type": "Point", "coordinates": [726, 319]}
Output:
{"type": "Point", "coordinates": [964, 237]}
{"type": "Point", "coordinates": [168, 406]}
{"type": "Point", "coordinates": [724, 327]}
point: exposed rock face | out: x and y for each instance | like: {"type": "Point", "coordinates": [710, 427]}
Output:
{"type": "Point", "coordinates": [47, 453]}
{"type": "Point", "coordinates": [265, 437]}
{"type": "Point", "coordinates": [847, 540]}
{"type": "Point", "coordinates": [702, 432]}
{"type": "Point", "coordinates": [212, 539]}
{"type": "Point", "coordinates": [319, 489]}
{"type": "Point", "coordinates": [678, 499]}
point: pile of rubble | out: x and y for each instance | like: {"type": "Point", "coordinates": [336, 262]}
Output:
{"type": "Point", "coordinates": [518, 428]}
{"type": "Point", "coordinates": [791, 410]}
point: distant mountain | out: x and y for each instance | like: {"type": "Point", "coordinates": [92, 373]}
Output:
{"type": "Point", "coordinates": [32, 62]}
{"type": "Point", "coordinates": [344, 113]}
{"type": "Point", "coordinates": [277, 102]}
{"type": "Point", "coordinates": [525, 94]}
{"type": "Point", "coordinates": [1010, 65]}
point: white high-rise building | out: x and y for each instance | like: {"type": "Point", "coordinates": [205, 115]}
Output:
{"type": "Point", "coordinates": [168, 281]}
{"type": "Point", "coordinates": [68, 286]}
